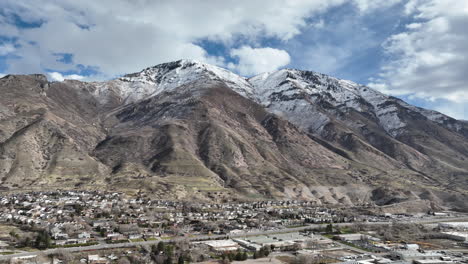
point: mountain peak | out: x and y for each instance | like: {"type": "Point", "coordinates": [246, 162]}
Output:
{"type": "Point", "coordinates": [171, 75]}
{"type": "Point", "coordinates": [280, 91]}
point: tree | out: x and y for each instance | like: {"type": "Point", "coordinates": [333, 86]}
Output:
{"type": "Point", "coordinates": [65, 256]}
{"type": "Point", "coordinates": [168, 260]}
{"type": "Point", "coordinates": [238, 256]}
{"type": "Point", "coordinates": [329, 228]}
{"type": "Point", "coordinates": [123, 260]}
{"type": "Point", "coordinates": [13, 234]}
{"type": "Point", "coordinates": [161, 246]}
{"type": "Point", "coordinates": [154, 249]}
{"type": "Point", "coordinates": [169, 250]}
{"type": "Point", "coordinates": [181, 260]}
{"type": "Point", "coordinates": [42, 240]}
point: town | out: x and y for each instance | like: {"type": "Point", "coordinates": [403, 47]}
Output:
{"type": "Point", "coordinates": [101, 227]}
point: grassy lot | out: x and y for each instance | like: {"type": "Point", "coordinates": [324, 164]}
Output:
{"type": "Point", "coordinates": [6, 229]}
{"type": "Point", "coordinates": [75, 245]}
{"type": "Point", "coordinates": [295, 226]}
{"type": "Point", "coordinates": [354, 246]}
{"type": "Point", "coordinates": [137, 240]}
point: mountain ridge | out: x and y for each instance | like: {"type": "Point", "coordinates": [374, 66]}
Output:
{"type": "Point", "coordinates": [187, 129]}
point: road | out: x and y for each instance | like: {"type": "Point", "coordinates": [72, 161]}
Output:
{"type": "Point", "coordinates": [213, 237]}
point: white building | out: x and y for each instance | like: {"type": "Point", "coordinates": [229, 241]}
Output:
{"type": "Point", "coordinates": [410, 255]}
{"type": "Point", "coordinates": [454, 225]}
{"type": "Point", "coordinates": [222, 245]}
{"type": "Point", "coordinates": [459, 236]}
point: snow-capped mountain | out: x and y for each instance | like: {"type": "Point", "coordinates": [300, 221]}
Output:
{"type": "Point", "coordinates": [295, 93]}
{"type": "Point", "coordinates": [190, 129]}
{"type": "Point", "coordinates": [167, 77]}
{"type": "Point", "coordinates": [288, 92]}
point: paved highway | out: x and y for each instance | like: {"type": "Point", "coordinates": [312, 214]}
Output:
{"type": "Point", "coordinates": [211, 237]}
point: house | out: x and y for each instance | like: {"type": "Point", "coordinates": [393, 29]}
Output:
{"type": "Point", "coordinates": [84, 235]}
{"type": "Point", "coordinates": [3, 244]}
{"type": "Point", "coordinates": [115, 236]}
{"type": "Point", "coordinates": [24, 259]}
{"type": "Point", "coordinates": [433, 261]}
{"type": "Point", "coordinates": [350, 237]}
{"type": "Point", "coordinates": [151, 234]}
{"type": "Point", "coordinates": [236, 232]}
{"type": "Point", "coordinates": [412, 246]}
{"type": "Point", "coordinates": [95, 259]}
{"type": "Point", "coordinates": [134, 236]}
{"type": "Point", "coordinates": [458, 236]}
{"type": "Point", "coordinates": [454, 225]}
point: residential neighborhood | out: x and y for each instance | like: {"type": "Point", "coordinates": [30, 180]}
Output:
{"type": "Point", "coordinates": [45, 226]}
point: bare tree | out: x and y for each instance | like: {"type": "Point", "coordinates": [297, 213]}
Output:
{"type": "Point", "coordinates": [123, 260]}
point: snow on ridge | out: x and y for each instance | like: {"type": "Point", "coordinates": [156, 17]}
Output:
{"type": "Point", "coordinates": [283, 91]}
{"type": "Point", "coordinates": [168, 76]}
{"type": "Point", "coordinates": [340, 93]}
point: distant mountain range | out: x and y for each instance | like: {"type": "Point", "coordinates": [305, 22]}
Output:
{"type": "Point", "coordinates": [189, 130]}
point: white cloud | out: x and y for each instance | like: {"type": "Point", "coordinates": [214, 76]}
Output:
{"type": "Point", "coordinates": [121, 36]}
{"type": "Point", "coordinates": [369, 5]}
{"type": "Point", "coordinates": [6, 49]}
{"type": "Point", "coordinates": [455, 110]}
{"type": "Point", "coordinates": [257, 60]}
{"type": "Point", "coordinates": [332, 47]}
{"type": "Point", "coordinates": [57, 76]}
{"type": "Point", "coordinates": [430, 60]}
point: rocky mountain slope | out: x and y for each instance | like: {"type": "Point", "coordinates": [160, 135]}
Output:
{"type": "Point", "coordinates": [371, 127]}
{"type": "Point", "coordinates": [187, 130]}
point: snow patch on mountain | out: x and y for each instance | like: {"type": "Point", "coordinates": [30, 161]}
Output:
{"type": "Point", "coordinates": [294, 94]}
{"type": "Point", "coordinates": [287, 90]}
{"type": "Point", "coordinates": [168, 77]}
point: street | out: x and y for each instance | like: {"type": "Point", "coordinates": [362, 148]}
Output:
{"type": "Point", "coordinates": [211, 237]}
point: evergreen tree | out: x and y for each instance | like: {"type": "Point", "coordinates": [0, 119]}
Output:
{"type": "Point", "coordinates": [168, 260]}
{"type": "Point", "coordinates": [245, 256]}
{"type": "Point", "coordinates": [238, 256]}
{"type": "Point", "coordinates": [181, 260]}
{"type": "Point", "coordinates": [43, 240]}
{"type": "Point", "coordinates": [261, 253]}
{"type": "Point", "coordinates": [161, 246]}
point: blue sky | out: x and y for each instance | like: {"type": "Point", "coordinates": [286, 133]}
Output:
{"type": "Point", "coordinates": [413, 49]}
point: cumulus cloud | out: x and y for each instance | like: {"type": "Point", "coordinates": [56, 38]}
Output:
{"type": "Point", "coordinates": [456, 110]}
{"type": "Point", "coordinates": [370, 5]}
{"type": "Point", "coordinates": [120, 36]}
{"type": "Point", "coordinates": [112, 37]}
{"type": "Point", "coordinates": [6, 49]}
{"type": "Point", "coordinates": [429, 60]}
{"type": "Point", "coordinates": [57, 76]}
{"type": "Point", "coordinates": [257, 60]}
